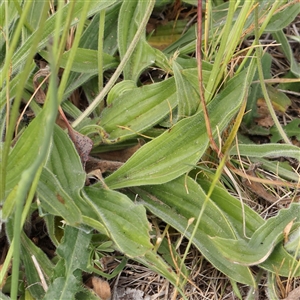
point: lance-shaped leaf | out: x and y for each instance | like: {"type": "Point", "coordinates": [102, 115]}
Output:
{"type": "Point", "coordinates": [154, 163]}
{"type": "Point", "coordinates": [238, 216]}
{"type": "Point", "coordinates": [28, 155]}
{"type": "Point", "coordinates": [30, 250]}
{"type": "Point", "coordinates": [281, 262]}
{"type": "Point", "coordinates": [172, 203]}
{"type": "Point", "coordinates": [86, 61]}
{"type": "Point", "coordinates": [50, 27]}
{"type": "Point", "coordinates": [262, 242]}
{"type": "Point", "coordinates": [187, 95]}
{"type": "Point", "coordinates": [62, 179]}
{"type": "Point", "coordinates": [56, 200]}
{"type": "Point", "coordinates": [130, 17]}
{"type": "Point", "coordinates": [266, 150]}
{"type": "Point", "coordinates": [125, 221]}
{"type": "Point", "coordinates": [138, 110]}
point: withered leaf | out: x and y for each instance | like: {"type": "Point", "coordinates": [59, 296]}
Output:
{"type": "Point", "coordinates": [83, 144]}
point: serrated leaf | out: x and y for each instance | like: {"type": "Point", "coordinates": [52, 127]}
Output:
{"type": "Point", "coordinates": [63, 288]}
{"type": "Point", "coordinates": [126, 222]}
{"type": "Point", "coordinates": [155, 163]}
{"type": "Point", "coordinates": [74, 255]}
{"type": "Point", "coordinates": [74, 249]}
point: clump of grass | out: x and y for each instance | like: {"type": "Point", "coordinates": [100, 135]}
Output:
{"type": "Point", "coordinates": [159, 170]}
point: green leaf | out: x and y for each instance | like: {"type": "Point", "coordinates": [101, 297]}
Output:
{"type": "Point", "coordinates": [62, 180]}
{"type": "Point", "coordinates": [65, 163]}
{"type": "Point", "coordinates": [74, 255]}
{"type": "Point", "coordinates": [28, 148]}
{"type": "Point", "coordinates": [56, 200]}
{"type": "Point", "coordinates": [89, 38]}
{"type": "Point", "coordinates": [63, 288]}
{"type": "Point", "coordinates": [283, 18]}
{"type": "Point", "coordinates": [4, 297]}
{"type": "Point", "coordinates": [20, 55]}
{"type": "Point", "coordinates": [286, 48]}
{"type": "Point", "coordinates": [262, 242]}
{"type": "Point", "coordinates": [130, 17]}
{"type": "Point", "coordinates": [293, 243]}
{"type": "Point", "coordinates": [292, 130]}
{"type": "Point", "coordinates": [282, 169]}
{"type": "Point", "coordinates": [154, 163]}
{"type": "Point", "coordinates": [137, 110]}
{"type": "Point", "coordinates": [174, 205]}
{"type": "Point", "coordinates": [32, 276]}
{"type": "Point", "coordinates": [120, 89]}
{"type": "Point", "coordinates": [74, 249]}
{"type": "Point", "coordinates": [85, 61]}
{"type": "Point", "coordinates": [280, 100]}
{"type": "Point", "coordinates": [281, 262]}
{"type": "Point", "coordinates": [187, 95]}
{"type": "Point", "coordinates": [126, 222]}
{"type": "Point", "coordinates": [266, 150]}
{"type": "Point", "coordinates": [234, 210]}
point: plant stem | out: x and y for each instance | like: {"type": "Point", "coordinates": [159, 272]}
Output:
{"type": "Point", "coordinates": [258, 51]}
{"type": "Point", "coordinates": [120, 68]}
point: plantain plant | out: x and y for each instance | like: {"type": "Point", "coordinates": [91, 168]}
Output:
{"type": "Point", "coordinates": [44, 168]}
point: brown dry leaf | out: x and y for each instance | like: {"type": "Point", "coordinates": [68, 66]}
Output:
{"type": "Point", "coordinates": [102, 164]}
{"type": "Point", "coordinates": [287, 230]}
{"type": "Point", "coordinates": [264, 119]}
{"type": "Point", "coordinates": [83, 144]}
{"type": "Point", "coordinates": [258, 189]}
{"type": "Point", "coordinates": [294, 295]}
{"type": "Point", "coordinates": [100, 287]}
{"type": "Point", "coordinates": [121, 155]}
{"type": "Point", "coordinates": [40, 95]}
{"type": "Point", "coordinates": [280, 102]}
